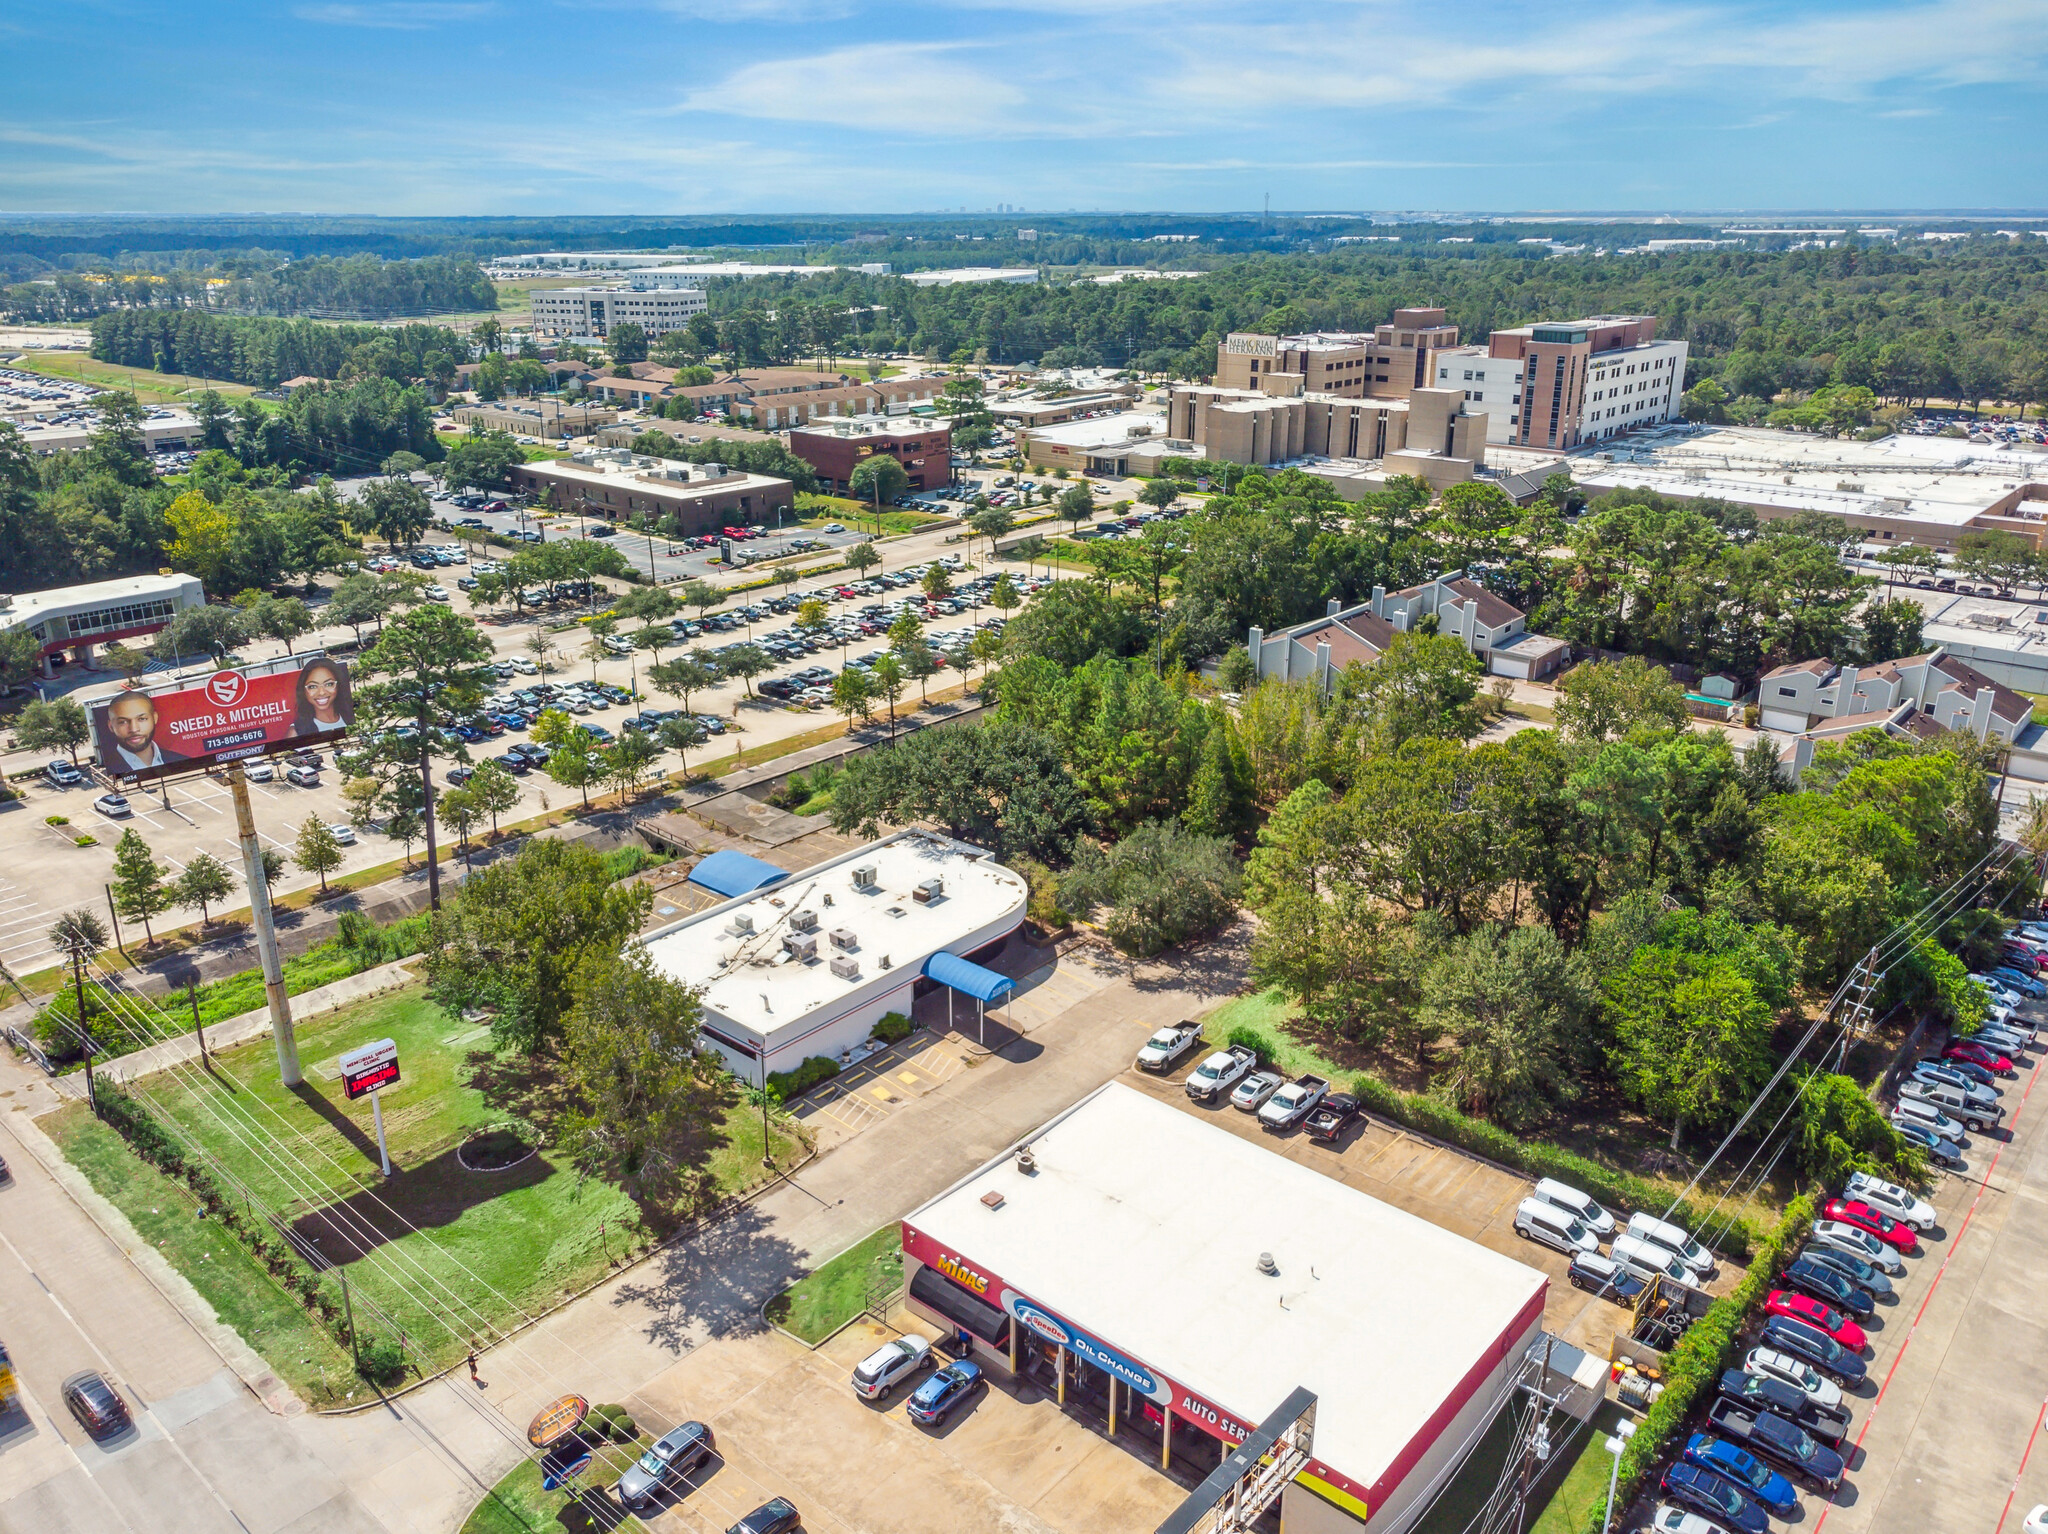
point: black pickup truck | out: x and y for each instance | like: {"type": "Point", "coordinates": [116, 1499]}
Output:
{"type": "Point", "coordinates": [1753, 1393]}
{"type": "Point", "coordinates": [1783, 1443]}
{"type": "Point", "coordinates": [1332, 1116]}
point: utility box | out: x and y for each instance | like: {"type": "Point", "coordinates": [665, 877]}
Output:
{"type": "Point", "coordinates": [845, 966]}
{"type": "Point", "coordinates": [742, 922]}
{"type": "Point", "coordinates": [844, 938]}
{"type": "Point", "coordinates": [928, 891]}
{"type": "Point", "coordinates": [801, 945]}
{"type": "Point", "coordinates": [803, 921]}
{"type": "Point", "coordinates": [864, 877]}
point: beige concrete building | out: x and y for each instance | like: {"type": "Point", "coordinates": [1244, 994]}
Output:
{"type": "Point", "coordinates": [1390, 362]}
{"type": "Point", "coordinates": [688, 497]}
{"type": "Point", "coordinates": [1429, 434]}
{"type": "Point", "coordinates": [542, 418]}
{"type": "Point", "coordinates": [1563, 385]}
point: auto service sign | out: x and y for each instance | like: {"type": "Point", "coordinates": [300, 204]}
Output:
{"type": "Point", "coordinates": [369, 1068]}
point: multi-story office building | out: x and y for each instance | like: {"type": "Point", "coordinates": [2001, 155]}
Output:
{"type": "Point", "coordinates": [594, 311]}
{"type": "Point", "coordinates": [1390, 362]}
{"type": "Point", "coordinates": [835, 448]}
{"type": "Point", "coordinates": [1561, 386]}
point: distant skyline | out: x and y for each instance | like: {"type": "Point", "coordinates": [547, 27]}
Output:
{"type": "Point", "coordinates": [428, 107]}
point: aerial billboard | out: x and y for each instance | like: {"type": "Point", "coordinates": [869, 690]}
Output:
{"type": "Point", "coordinates": [247, 712]}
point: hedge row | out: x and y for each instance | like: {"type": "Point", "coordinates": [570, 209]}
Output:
{"type": "Point", "coordinates": [783, 1085]}
{"type": "Point", "coordinates": [1621, 1190]}
{"type": "Point", "coordinates": [1693, 1368]}
{"type": "Point", "coordinates": [379, 1360]}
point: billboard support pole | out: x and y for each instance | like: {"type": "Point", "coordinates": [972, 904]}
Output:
{"type": "Point", "coordinates": [266, 932]}
{"type": "Point", "coordinates": [377, 1113]}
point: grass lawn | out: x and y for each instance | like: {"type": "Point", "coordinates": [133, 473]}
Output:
{"type": "Point", "coordinates": [150, 386]}
{"type": "Point", "coordinates": [816, 1307]}
{"type": "Point", "coordinates": [241, 1290]}
{"type": "Point", "coordinates": [1570, 1484]}
{"type": "Point", "coordinates": [860, 516]}
{"type": "Point", "coordinates": [517, 1505]}
{"type": "Point", "coordinates": [508, 1243]}
{"type": "Point", "coordinates": [532, 454]}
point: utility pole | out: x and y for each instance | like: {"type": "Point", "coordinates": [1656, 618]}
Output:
{"type": "Point", "coordinates": [92, 1092]}
{"type": "Point", "coordinates": [198, 1028]}
{"type": "Point", "coordinates": [266, 932]}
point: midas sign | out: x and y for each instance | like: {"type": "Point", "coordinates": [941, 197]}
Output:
{"type": "Point", "coordinates": [961, 1274]}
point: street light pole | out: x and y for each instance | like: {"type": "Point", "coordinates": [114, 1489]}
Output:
{"type": "Point", "coordinates": [1623, 1432]}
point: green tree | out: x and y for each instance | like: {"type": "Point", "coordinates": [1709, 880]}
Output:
{"type": "Point", "coordinates": [140, 887]}
{"type": "Point", "coordinates": [483, 461]}
{"type": "Point", "coordinates": [1842, 1131]}
{"type": "Point", "coordinates": [1076, 505]}
{"type": "Point", "coordinates": [627, 344]}
{"type": "Point", "coordinates": [937, 582]}
{"type": "Point", "coordinates": [1161, 885]}
{"type": "Point", "coordinates": [852, 695]}
{"type": "Point", "coordinates": [459, 811]}
{"type": "Point", "coordinates": [1599, 701]}
{"type": "Point", "coordinates": [992, 522]}
{"type": "Point", "coordinates": [205, 880]}
{"type": "Point", "coordinates": [745, 661]}
{"type": "Point", "coordinates": [281, 618]}
{"type": "Point", "coordinates": [1424, 685]}
{"type": "Point", "coordinates": [1237, 671]}
{"type": "Point", "coordinates": [512, 939]}
{"type": "Point", "coordinates": [210, 630]}
{"type": "Point", "coordinates": [316, 851]}
{"type": "Point", "coordinates": [362, 598]}
{"type": "Point", "coordinates": [1220, 797]}
{"type": "Point", "coordinates": [684, 677]}
{"type": "Point", "coordinates": [52, 724]}
{"type": "Point", "coordinates": [886, 678]}
{"type": "Point", "coordinates": [679, 735]}
{"type": "Point", "coordinates": [427, 673]}
{"type": "Point", "coordinates": [1891, 629]}
{"type": "Point", "coordinates": [878, 478]}
{"type": "Point", "coordinates": [862, 558]}
{"type": "Point", "coordinates": [644, 1113]}
{"type": "Point", "coordinates": [1002, 785]}
{"type": "Point", "coordinates": [626, 761]}
{"type": "Point", "coordinates": [495, 791]}
{"type": "Point", "coordinates": [1692, 1039]}
{"type": "Point", "coordinates": [1157, 493]}
{"type": "Point", "coordinates": [397, 510]}
{"type": "Point", "coordinates": [1513, 1009]}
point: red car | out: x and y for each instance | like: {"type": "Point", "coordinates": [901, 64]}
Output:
{"type": "Point", "coordinates": [1979, 1054]}
{"type": "Point", "coordinates": [1804, 1307]}
{"type": "Point", "coordinates": [1853, 1211]}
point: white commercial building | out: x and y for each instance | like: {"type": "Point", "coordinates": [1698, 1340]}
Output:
{"type": "Point", "coordinates": [1107, 1261]}
{"type": "Point", "coordinates": [78, 617]}
{"type": "Point", "coordinates": [798, 965]}
{"type": "Point", "coordinates": [945, 277]}
{"type": "Point", "coordinates": [594, 311]}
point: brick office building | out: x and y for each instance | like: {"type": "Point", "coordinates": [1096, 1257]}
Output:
{"type": "Point", "coordinates": [835, 447]}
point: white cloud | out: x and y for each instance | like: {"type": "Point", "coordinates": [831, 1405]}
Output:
{"type": "Point", "coordinates": [869, 86]}
{"type": "Point", "coordinates": [394, 15]}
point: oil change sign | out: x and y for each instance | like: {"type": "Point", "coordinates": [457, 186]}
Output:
{"type": "Point", "coordinates": [1100, 1354]}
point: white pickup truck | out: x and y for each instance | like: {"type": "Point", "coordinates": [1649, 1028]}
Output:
{"type": "Point", "coordinates": [1293, 1102]}
{"type": "Point", "coordinates": [1168, 1046]}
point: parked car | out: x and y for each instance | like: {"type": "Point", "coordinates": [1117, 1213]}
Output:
{"type": "Point", "coordinates": [669, 1458]}
{"type": "Point", "coordinates": [1855, 1270]}
{"type": "Point", "coordinates": [1793, 1371]}
{"type": "Point", "coordinates": [1251, 1093]}
{"type": "Point", "coordinates": [1581, 1206]}
{"type": "Point", "coordinates": [1889, 1198]}
{"type": "Point", "coordinates": [258, 772]}
{"type": "Point", "coordinates": [1944, 1152]}
{"type": "Point", "coordinates": [61, 774]}
{"type": "Point", "coordinates": [1606, 1278]}
{"type": "Point", "coordinates": [344, 834]}
{"type": "Point", "coordinates": [1781, 1442]}
{"type": "Point", "coordinates": [1331, 1116]}
{"type": "Point", "coordinates": [1293, 1102]}
{"type": "Point", "coordinates": [889, 1365]}
{"type": "Point", "coordinates": [1937, 1073]}
{"type": "Point", "coordinates": [1673, 1519]}
{"type": "Point", "coordinates": [775, 1517]}
{"type": "Point", "coordinates": [302, 777]}
{"type": "Point", "coordinates": [1548, 1225]}
{"type": "Point", "coordinates": [115, 806]}
{"type": "Point", "coordinates": [1787, 1334]}
{"type": "Point", "coordinates": [933, 1401]}
{"type": "Point", "coordinates": [1716, 1496]}
{"type": "Point", "coordinates": [1830, 1424]}
{"type": "Point", "coordinates": [1166, 1046]}
{"type": "Point", "coordinates": [1817, 1314]}
{"type": "Point", "coordinates": [1841, 1236]}
{"type": "Point", "coordinates": [1674, 1239]}
{"type": "Point", "coordinates": [1828, 1286]}
{"type": "Point", "coordinates": [1859, 1214]}
{"type": "Point", "coordinates": [96, 1404]}
{"type": "Point", "coordinates": [1757, 1479]}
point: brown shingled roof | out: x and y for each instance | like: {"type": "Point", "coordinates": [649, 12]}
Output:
{"type": "Point", "coordinates": [2005, 703]}
{"type": "Point", "coordinates": [1493, 611]}
{"type": "Point", "coordinates": [1820, 668]}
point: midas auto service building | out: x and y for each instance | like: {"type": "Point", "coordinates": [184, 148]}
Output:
{"type": "Point", "coordinates": [1183, 1280]}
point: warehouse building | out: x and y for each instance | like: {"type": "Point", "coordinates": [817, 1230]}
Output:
{"type": "Point", "coordinates": [792, 966]}
{"type": "Point", "coordinates": [1096, 1260]}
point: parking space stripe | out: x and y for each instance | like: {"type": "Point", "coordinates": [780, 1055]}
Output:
{"type": "Point", "coordinates": [1939, 1274]}
{"type": "Point", "coordinates": [2014, 1489]}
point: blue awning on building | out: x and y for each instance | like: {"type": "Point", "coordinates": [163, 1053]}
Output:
{"type": "Point", "coordinates": [966, 978]}
{"type": "Point", "coordinates": [731, 873]}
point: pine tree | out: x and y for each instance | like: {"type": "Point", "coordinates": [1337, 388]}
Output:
{"type": "Point", "coordinates": [139, 891]}
{"type": "Point", "coordinates": [1220, 798]}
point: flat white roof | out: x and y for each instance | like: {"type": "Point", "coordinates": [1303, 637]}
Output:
{"type": "Point", "coordinates": [1103, 430]}
{"type": "Point", "coordinates": [947, 276]}
{"type": "Point", "coordinates": [34, 606]}
{"type": "Point", "coordinates": [748, 978]}
{"type": "Point", "coordinates": [1143, 1225]}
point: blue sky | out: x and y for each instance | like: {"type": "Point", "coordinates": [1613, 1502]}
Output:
{"type": "Point", "coordinates": [689, 106]}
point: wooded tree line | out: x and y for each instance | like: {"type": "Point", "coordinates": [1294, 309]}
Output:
{"type": "Point", "coordinates": [355, 287]}
{"type": "Point", "coordinates": [266, 352]}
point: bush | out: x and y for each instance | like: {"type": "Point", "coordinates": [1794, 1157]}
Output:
{"type": "Point", "coordinates": [56, 820]}
{"type": "Point", "coordinates": [614, 1424]}
{"type": "Point", "coordinates": [783, 1085]}
{"type": "Point", "coordinates": [893, 1026]}
{"type": "Point", "coordinates": [624, 862]}
{"type": "Point", "coordinates": [380, 1360]}
{"type": "Point", "coordinates": [1695, 1364]}
{"type": "Point", "coordinates": [1250, 1038]}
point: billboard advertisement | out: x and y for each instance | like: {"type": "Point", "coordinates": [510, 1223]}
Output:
{"type": "Point", "coordinates": [253, 711]}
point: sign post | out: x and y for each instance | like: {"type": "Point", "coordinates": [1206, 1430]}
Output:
{"type": "Point", "coordinates": [367, 1071]}
{"type": "Point", "coordinates": [254, 875]}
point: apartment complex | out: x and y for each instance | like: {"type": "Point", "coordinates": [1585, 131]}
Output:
{"type": "Point", "coordinates": [1935, 691]}
{"type": "Point", "coordinates": [834, 448]}
{"type": "Point", "coordinates": [1561, 386]}
{"type": "Point", "coordinates": [1389, 363]}
{"type": "Point", "coordinates": [1430, 433]}
{"type": "Point", "coordinates": [773, 399]}
{"type": "Point", "coordinates": [687, 497]}
{"type": "Point", "coordinates": [1494, 630]}
{"type": "Point", "coordinates": [593, 311]}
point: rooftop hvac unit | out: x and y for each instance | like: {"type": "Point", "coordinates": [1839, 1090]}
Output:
{"type": "Point", "coordinates": [742, 923]}
{"type": "Point", "coordinates": [864, 877]}
{"type": "Point", "coordinates": [928, 891]}
{"type": "Point", "coordinates": [801, 945]}
{"type": "Point", "coordinates": [844, 937]}
{"type": "Point", "coordinates": [803, 921]}
{"type": "Point", "coordinates": [845, 967]}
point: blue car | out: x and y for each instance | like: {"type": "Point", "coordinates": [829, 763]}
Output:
{"type": "Point", "coordinates": [471, 732]}
{"type": "Point", "coordinates": [1757, 1479]}
{"type": "Point", "coordinates": [511, 721]}
{"type": "Point", "coordinates": [945, 1389]}
{"type": "Point", "coordinates": [2013, 980]}
{"type": "Point", "coordinates": [1717, 1497]}
{"type": "Point", "coordinates": [1816, 1347]}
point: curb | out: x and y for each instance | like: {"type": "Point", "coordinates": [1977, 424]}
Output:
{"type": "Point", "coordinates": [277, 1397]}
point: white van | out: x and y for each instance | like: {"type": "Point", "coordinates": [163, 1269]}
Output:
{"type": "Point", "coordinates": [1553, 1227]}
{"type": "Point", "coordinates": [1645, 1227]}
{"type": "Point", "coordinates": [1649, 1261]}
{"type": "Point", "coordinates": [1580, 1206]}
